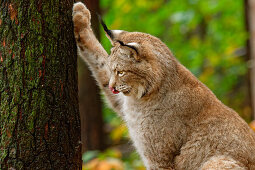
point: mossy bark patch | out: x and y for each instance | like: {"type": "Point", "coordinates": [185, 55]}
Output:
{"type": "Point", "coordinates": [39, 122]}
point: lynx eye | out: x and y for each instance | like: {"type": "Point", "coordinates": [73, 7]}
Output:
{"type": "Point", "coordinates": [120, 73]}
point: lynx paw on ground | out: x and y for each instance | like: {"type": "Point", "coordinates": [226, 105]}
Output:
{"type": "Point", "coordinates": [81, 17]}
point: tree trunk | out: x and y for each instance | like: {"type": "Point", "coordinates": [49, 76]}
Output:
{"type": "Point", "coordinates": [39, 122]}
{"type": "Point", "coordinates": [250, 23]}
{"type": "Point", "coordinates": [92, 136]}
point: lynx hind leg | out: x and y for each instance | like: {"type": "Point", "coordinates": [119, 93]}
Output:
{"type": "Point", "coordinates": [222, 163]}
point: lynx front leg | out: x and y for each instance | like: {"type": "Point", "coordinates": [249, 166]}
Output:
{"type": "Point", "coordinates": [92, 52]}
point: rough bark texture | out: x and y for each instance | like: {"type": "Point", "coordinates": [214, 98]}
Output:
{"type": "Point", "coordinates": [250, 25]}
{"type": "Point", "coordinates": [39, 122]}
{"type": "Point", "coordinates": [89, 96]}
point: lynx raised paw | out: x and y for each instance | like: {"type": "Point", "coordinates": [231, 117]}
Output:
{"type": "Point", "coordinates": [81, 17]}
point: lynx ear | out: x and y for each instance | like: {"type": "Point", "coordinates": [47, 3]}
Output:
{"type": "Point", "coordinates": [112, 35]}
{"type": "Point", "coordinates": [106, 30]}
{"type": "Point", "coordinates": [130, 49]}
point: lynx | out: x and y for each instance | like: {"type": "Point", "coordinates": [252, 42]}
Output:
{"type": "Point", "coordinates": [174, 120]}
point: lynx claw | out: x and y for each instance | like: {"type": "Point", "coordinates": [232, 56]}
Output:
{"type": "Point", "coordinates": [81, 17]}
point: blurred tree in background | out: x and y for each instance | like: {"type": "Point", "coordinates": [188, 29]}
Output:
{"type": "Point", "coordinates": [250, 26]}
{"type": "Point", "coordinates": [90, 105]}
{"type": "Point", "coordinates": [208, 37]}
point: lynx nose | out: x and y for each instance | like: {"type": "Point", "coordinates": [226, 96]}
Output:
{"type": "Point", "coordinates": [114, 91]}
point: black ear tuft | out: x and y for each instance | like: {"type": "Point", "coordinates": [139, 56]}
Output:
{"type": "Point", "coordinates": [107, 31]}
{"type": "Point", "coordinates": [134, 48]}
{"type": "Point", "coordinates": [121, 43]}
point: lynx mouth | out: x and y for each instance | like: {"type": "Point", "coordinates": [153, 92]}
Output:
{"type": "Point", "coordinates": [114, 91]}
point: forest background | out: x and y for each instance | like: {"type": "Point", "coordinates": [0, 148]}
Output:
{"type": "Point", "coordinates": [208, 37]}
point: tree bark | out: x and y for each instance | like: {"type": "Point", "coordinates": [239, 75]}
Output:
{"type": "Point", "coordinates": [92, 134]}
{"type": "Point", "coordinates": [39, 122]}
{"type": "Point", "coordinates": [250, 25]}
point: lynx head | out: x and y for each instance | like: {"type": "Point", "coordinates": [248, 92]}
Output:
{"type": "Point", "coordinates": [137, 62]}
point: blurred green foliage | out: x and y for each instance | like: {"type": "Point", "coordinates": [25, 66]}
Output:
{"type": "Point", "coordinates": [206, 36]}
